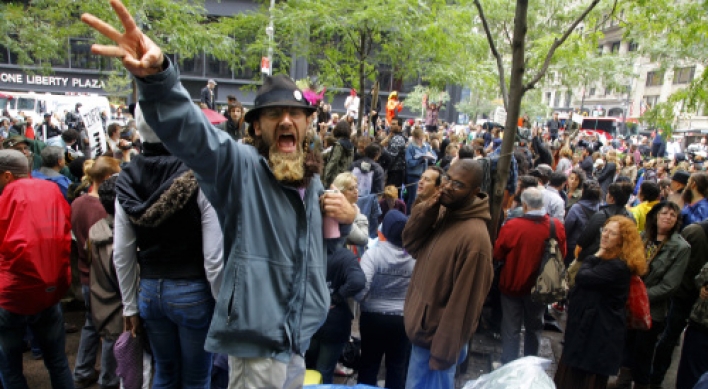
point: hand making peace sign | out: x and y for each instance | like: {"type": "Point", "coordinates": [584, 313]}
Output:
{"type": "Point", "coordinates": [140, 55]}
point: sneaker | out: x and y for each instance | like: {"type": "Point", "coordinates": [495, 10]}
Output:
{"type": "Point", "coordinates": [342, 370]}
{"type": "Point", "coordinates": [86, 382]}
{"type": "Point", "coordinates": [558, 307]}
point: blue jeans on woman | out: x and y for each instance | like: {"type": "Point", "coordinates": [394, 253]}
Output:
{"type": "Point", "coordinates": [176, 315]}
{"type": "Point", "coordinates": [48, 329]}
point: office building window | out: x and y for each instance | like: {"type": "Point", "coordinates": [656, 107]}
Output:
{"type": "Point", "coordinates": [4, 55]}
{"type": "Point", "coordinates": [216, 68]}
{"type": "Point", "coordinates": [592, 91]}
{"type": "Point", "coordinates": [615, 47]}
{"type": "Point", "coordinates": [80, 54]}
{"type": "Point", "coordinates": [548, 98]}
{"type": "Point", "coordinates": [192, 66]}
{"type": "Point", "coordinates": [651, 100]}
{"type": "Point", "coordinates": [684, 75]}
{"type": "Point", "coordinates": [655, 78]}
{"type": "Point", "coordinates": [568, 98]}
{"type": "Point", "coordinates": [633, 46]}
{"type": "Point", "coordinates": [557, 101]}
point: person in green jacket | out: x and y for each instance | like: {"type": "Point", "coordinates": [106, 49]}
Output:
{"type": "Point", "coordinates": [667, 255]}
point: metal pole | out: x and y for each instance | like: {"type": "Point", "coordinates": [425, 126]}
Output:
{"type": "Point", "coordinates": [626, 111]}
{"type": "Point", "coordinates": [270, 31]}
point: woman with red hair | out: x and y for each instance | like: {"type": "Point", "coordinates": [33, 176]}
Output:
{"type": "Point", "coordinates": [596, 327]}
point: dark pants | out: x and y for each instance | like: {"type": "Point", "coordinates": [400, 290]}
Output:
{"type": "Point", "coordinates": [679, 311]}
{"type": "Point", "coordinates": [323, 356]}
{"type": "Point", "coordinates": [639, 351]}
{"type": "Point", "coordinates": [432, 129]}
{"type": "Point", "coordinates": [694, 358]}
{"type": "Point", "coordinates": [383, 335]}
{"type": "Point", "coordinates": [48, 328]}
{"type": "Point", "coordinates": [395, 178]}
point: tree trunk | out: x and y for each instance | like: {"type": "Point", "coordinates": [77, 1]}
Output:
{"type": "Point", "coordinates": [516, 93]}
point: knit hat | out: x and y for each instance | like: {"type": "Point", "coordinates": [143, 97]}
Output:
{"type": "Point", "coordinates": [681, 176]}
{"type": "Point", "coordinates": [146, 132]}
{"type": "Point", "coordinates": [392, 227]}
{"type": "Point", "coordinates": [278, 91]}
{"type": "Point", "coordinates": [14, 162]}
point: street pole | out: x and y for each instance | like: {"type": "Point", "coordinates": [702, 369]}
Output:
{"type": "Point", "coordinates": [626, 106]}
{"type": "Point", "coordinates": [270, 31]}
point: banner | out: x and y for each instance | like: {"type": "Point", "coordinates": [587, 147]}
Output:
{"type": "Point", "coordinates": [94, 129]}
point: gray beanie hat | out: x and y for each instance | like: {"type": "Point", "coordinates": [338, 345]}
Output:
{"type": "Point", "coordinates": [146, 132]}
{"type": "Point", "coordinates": [14, 162]}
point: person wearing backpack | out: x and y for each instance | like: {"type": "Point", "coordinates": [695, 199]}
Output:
{"type": "Point", "coordinates": [520, 246]}
{"type": "Point", "coordinates": [369, 174]}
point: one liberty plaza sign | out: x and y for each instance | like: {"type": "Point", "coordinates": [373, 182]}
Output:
{"type": "Point", "coordinates": [18, 78]}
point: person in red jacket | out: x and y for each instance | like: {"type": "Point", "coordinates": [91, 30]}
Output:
{"type": "Point", "coordinates": [520, 245]}
{"type": "Point", "coordinates": [35, 236]}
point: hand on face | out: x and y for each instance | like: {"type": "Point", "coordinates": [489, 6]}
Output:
{"type": "Point", "coordinates": [139, 54]}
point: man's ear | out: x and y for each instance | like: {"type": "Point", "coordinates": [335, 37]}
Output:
{"type": "Point", "coordinates": [256, 127]}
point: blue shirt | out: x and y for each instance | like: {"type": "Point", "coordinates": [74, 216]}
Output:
{"type": "Point", "coordinates": [694, 213]}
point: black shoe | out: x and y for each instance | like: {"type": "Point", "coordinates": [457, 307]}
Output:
{"type": "Point", "coordinates": [86, 382]}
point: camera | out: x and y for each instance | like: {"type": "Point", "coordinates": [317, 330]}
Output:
{"type": "Point", "coordinates": [125, 145]}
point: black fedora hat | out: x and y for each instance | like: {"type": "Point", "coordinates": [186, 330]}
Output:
{"type": "Point", "coordinates": [278, 91]}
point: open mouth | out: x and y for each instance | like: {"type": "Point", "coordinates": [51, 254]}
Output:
{"type": "Point", "coordinates": [286, 143]}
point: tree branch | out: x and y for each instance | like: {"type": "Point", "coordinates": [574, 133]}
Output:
{"type": "Point", "coordinates": [495, 52]}
{"type": "Point", "coordinates": [609, 15]}
{"type": "Point", "coordinates": [506, 32]}
{"type": "Point", "coordinates": [556, 43]}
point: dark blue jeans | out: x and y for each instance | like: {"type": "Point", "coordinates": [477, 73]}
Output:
{"type": "Point", "coordinates": [48, 329]}
{"type": "Point", "coordinates": [323, 356]}
{"type": "Point", "coordinates": [177, 315]}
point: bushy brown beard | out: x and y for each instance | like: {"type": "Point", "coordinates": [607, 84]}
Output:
{"type": "Point", "coordinates": [285, 165]}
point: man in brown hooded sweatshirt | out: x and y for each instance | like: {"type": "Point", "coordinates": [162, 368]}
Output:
{"type": "Point", "coordinates": [447, 234]}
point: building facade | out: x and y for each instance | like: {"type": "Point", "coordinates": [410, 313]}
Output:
{"type": "Point", "coordinates": [649, 86]}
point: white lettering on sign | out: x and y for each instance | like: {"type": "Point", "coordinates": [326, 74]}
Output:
{"type": "Point", "coordinates": [75, 82]}
{"type": "Point", "coordinates": [11, 78]}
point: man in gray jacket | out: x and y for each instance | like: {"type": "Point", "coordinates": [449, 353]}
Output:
{"type": "Point", "coordinates": [270, 204]}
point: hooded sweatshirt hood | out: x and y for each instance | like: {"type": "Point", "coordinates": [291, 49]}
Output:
{"type": "Point", "coordinates": [477, 207]}
{"type": "Point", "coordinates": [151, 189]}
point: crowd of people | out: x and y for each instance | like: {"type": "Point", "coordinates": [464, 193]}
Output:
{"type": "Point", "coordinates": [239, 255]}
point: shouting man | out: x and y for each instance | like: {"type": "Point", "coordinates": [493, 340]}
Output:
{"type": "Point", "coordinates": [270, 202]}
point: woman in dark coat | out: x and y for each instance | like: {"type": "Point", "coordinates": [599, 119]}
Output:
{"type": "Point", "coordinates": [607, 175]}
{"type": "Point", "coordinates": [596, 327]}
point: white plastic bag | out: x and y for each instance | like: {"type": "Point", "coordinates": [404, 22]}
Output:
{"type": "Point", "coordinates": [524, 373]}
